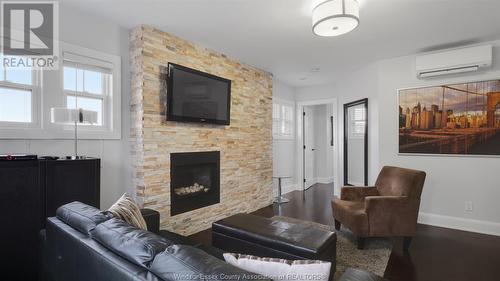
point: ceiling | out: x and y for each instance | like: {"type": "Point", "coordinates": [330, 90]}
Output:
{"type": "Point", "coordinates": [275, 35]}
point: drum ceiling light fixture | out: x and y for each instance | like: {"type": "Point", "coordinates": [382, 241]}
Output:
{"type": "Point", "coordinates": [335, 17]}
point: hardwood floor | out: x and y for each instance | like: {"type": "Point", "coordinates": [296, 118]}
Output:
{"type": "Point", "coordinates": [436, 254]}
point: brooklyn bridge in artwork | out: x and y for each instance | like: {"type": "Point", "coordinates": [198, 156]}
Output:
{"type": "Point", "coordinates": [461, 119]}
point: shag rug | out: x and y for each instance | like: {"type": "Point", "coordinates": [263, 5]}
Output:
{"type": "Point", "coordinates": [373, 257]}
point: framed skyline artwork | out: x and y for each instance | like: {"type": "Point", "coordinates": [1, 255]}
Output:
{"type": "Point", "coordinates": [458, 119]}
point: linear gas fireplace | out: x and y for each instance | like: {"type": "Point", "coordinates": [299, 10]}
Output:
{"type": "Point", "coordinates": [194, 181]}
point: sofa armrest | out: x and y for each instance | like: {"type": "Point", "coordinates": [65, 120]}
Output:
{"type": "Point", "coordinates": [357, 193]}
{"type": "Point", "coordinates": [152, 219]}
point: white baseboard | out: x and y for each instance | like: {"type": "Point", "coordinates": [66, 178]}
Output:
{"type": "Point", "coordinates": [313, 181]}
{"type": "Point", "coordinates": [485, 227]}
{"type": "Point", "coordinates": [295, 186]}
{"type": "Point", "coordinates": [324, 180]}
{"type": "Point", "coordinates": [289, 188]}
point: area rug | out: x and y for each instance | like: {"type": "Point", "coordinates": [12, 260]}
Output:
{"type": "Point", "coordinates": [373, 257]}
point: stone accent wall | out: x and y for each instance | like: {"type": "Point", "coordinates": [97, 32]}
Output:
{"type": "Point", "coordinates": [245, 145]}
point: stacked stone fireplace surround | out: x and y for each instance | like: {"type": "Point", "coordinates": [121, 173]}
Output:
{"type": "Point", "coordinates": [245, 145]}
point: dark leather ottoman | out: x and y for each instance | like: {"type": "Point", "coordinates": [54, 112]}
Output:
{"type": "Point", "coordinates": [259, 236]}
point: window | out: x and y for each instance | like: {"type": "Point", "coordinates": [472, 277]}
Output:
{"type": "Point", "coordinates": [357, 122]}
{"type": "Point", "coordinates": [86, 79]}
{"type": "Point", "coordinates": [17, 96]}
{"type": "Point", "coordinates": [86, 87]}
{"type": "Point", "coordinates": [283, 120]}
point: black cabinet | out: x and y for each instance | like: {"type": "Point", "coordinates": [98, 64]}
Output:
{"type": "Point", "coordinates": [30, 191]}
{"type": "Point", "coordinates": [71, 180]}
{"type": "Point", "coordinates": [20, 219]}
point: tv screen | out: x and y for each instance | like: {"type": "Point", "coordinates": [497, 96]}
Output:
{"type": "Point", "coordinates": [195, 96]}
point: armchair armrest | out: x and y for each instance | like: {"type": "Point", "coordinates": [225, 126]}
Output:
{"type": "Point", "coordinates": [355, 193]}
{"type": "Point", "coordinates": [152, 219]}
{"type": "Point", "coordinates": [392, 215]}
{"type": "Point", "coordinates": [387, 203]}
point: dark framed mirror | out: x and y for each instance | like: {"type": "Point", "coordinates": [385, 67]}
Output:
{"type": "Point", "coordinates": [356, 143]}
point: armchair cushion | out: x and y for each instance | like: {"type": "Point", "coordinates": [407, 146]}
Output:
{"type": "Point", "coordinates": [389, 215]}
{"type": "Point", "coordinates": [357, 193]}
{"type": "Point", "coordinates": [352, 214]}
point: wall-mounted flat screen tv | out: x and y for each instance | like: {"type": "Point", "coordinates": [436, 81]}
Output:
{"type": "Point", "coordinates": [195, 96]}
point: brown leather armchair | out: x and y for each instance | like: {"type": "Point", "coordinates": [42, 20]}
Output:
{"type": "Point", "coordinates": [390, 208]}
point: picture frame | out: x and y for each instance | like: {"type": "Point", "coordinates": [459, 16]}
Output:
{"type": "Point", "coordinates": [459, 119]}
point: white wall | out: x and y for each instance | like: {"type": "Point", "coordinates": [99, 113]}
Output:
{"type": "Point", "coordinates": [284, 158]}
{"type": "Point", "coordinates": [450, 180]}
{"type": "Point", "coordinates": [88, 31]}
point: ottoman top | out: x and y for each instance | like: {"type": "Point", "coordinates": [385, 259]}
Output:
{"type": "Point", "coordinates": [280, 235]}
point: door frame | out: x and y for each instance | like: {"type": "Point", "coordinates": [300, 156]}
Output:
{"type": "Point", "coordinates": [300, 141]}
{"type": "Point", "coordinates": [365, 141]}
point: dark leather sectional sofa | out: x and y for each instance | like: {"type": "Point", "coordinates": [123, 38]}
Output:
{"type": "Point", "coordinates": [82, 243]}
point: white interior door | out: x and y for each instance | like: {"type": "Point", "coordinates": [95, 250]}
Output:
{"type": "Point", "coordinates": [309, 149]}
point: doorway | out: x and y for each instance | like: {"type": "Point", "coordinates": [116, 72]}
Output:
{"type": "Point", "coordinates": [310, 145]}
{"type": "Point", "coordinates": [317, 143]}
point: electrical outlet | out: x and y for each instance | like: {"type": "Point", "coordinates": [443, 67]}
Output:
{"type": "Point", "coordinates": [468, 206]}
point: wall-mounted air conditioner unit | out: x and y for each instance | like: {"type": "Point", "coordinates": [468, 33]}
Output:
{"type": "Point", "coordinates": [454, 61]}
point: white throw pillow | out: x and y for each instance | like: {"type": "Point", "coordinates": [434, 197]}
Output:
{"type": "Point", "coordinates": [127, 210]}
{"type": "Point", "coordinates": [280, 269]}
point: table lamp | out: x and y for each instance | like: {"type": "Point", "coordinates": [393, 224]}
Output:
{"type": "Point", "coordinates": [63, 115]}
